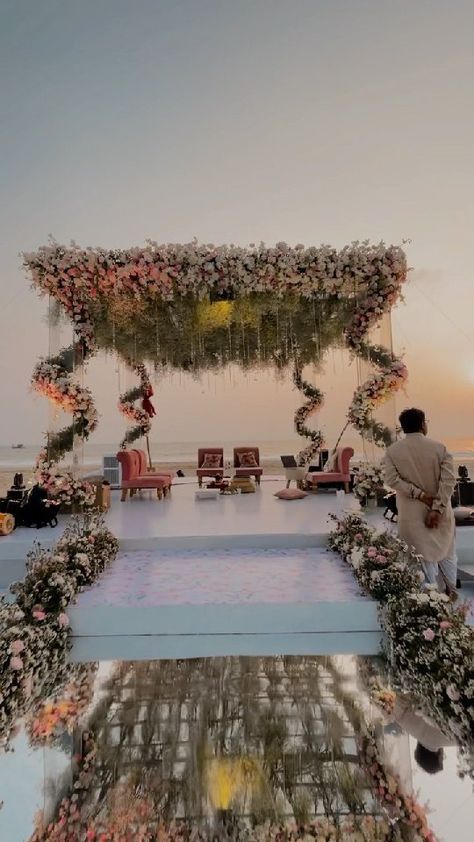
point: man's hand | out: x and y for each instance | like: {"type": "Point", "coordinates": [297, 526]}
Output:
{"type": "Point", "coordinates": [427, 499]}
{"type": "Point", "coordinates": [432, 520]}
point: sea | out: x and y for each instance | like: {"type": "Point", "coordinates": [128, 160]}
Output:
{"type": "Point", "coordinates": [185, 452]}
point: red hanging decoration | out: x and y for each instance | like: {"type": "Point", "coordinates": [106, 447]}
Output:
{"type": "Point", "coordinates": [146, 402]}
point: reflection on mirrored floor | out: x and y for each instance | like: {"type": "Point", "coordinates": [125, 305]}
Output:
{"type": "Point", "coordinates": [232, 748]}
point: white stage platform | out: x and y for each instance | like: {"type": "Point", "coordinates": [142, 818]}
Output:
{"type": "Point", "coordinates": [181, 521]}
{"type": "Point", "coordinates": [181, 603]}
{"type": "Point", "coordinates": [195, 547]}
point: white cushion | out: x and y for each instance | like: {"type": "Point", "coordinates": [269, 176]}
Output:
{"type": "Point", "coordinates": [207, 494]}
{"type": "Point", "coordinates": [331, 465]}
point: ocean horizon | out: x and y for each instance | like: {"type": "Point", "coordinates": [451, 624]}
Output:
{"type": "Point", "coordinates": [175, 452]}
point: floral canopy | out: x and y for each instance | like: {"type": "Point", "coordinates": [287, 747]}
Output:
{"type": "Point", "coordinates": [195, 307]}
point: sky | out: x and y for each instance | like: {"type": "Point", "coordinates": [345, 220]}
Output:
{"type": "Point", "coordinates": [238, 121]}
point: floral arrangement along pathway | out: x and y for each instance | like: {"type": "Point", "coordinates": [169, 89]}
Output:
{"type": "Point", "coordinates": [237, 576]}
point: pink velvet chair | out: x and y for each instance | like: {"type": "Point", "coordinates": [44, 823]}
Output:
{"type": "Point", "coordinates": [144, 470]}
{"type": "Point", "coordinates": [341, 476]}
{"type": "Point", "coordinates": [247, 471]}
{"type": "Point", "coordinates": [210, 472]}
{"type": "Point", "coordinates": [132, 480]}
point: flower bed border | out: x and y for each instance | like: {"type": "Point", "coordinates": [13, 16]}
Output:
{"type": "Point", "coordinates": [429, 644]}
{"type": "Point", "coordinates": [34, 631]}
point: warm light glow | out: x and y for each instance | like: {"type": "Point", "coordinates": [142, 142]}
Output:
{"type": "Point", "coordinates": [230, 777]}
{"type": "Point", "coordinates": [214, 314]}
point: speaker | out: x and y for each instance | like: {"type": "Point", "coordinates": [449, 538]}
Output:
{"type": "Point", "coordinates": [464, 494]}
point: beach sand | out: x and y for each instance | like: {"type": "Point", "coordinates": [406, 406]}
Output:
{"type": "Point", "coordinates": [271, 467]}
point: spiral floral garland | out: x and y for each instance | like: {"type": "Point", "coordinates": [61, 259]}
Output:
{"type": "Point", "coordinates": [378, 296]}
{"type": "Point", "coordinates": [376, 390]}
{"type": "Point", "coordinates": [314, 402]}
{"type": "Point", "coordinates": [53, 378]}
{"type": "Point", "coordinates": [139, 415]}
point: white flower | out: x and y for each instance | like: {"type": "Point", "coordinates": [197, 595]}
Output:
{"type": "Point", "coordinates": [356, 557]}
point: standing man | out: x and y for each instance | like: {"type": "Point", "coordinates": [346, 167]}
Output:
{"type": "Point", "coordinates": [421, 471]}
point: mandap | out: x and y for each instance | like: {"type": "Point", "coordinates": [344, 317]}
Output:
{"type": "Point", "coordinates": [198, 307]}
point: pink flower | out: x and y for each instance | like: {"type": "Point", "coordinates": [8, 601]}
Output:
{"type": "Point", "coordinates": [453, 693]}
{"type": "Point", "coordinates": [445, 624]}
{"type": "Point", "coordinates": [429, 634]}
{"type": "Point", "coordinates": [63, 620]}
{"type": "Point", "coordinates": [358, 536]}
{"type": "Point", "coordinates": [372, 552]}
{"type": "Point", "coordinates": [16, 647]}
{"type": "Point", "coordinates": [16, 664]}
{"type": "Point", "coordinates": [38, 614]}
{"type": "Point", "coordinates": [381, 559]}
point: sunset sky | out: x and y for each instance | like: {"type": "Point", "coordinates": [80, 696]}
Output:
{"type": "Point", "coordinates": [238, 121]}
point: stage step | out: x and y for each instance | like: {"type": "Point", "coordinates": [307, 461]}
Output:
{"type": "Point", "coordinates": [226, 601]}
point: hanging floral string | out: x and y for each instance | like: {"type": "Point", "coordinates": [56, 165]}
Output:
{"type": "Point", "coordinates": [314, 402]}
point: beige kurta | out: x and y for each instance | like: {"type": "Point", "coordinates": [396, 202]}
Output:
{"type": "Point", "coordinates": [422, 729]}
{"type": "Point", "coordinates": [413, 465]}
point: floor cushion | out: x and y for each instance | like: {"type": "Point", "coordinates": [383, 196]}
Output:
{"type": "Point", "coordinates": [207, 494]}
{"type": "Point", "coordinates": [464, 516]}
{"type": "Point", "coordinates": [290, 494]}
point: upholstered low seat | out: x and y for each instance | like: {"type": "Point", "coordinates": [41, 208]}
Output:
{"type": "Point", "coordinates": [247, 470]}
{"type": "Point", "coordinates": [144, 470]}
{"type": "Point", "coordinates": [204, 470]}
{"type": "Point", "coordinates": [132, 480]}
{"type": "Point", "coordinates": [341, 476]}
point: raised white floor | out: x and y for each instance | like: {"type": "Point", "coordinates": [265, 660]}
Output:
{"type": "Point", "coordinates": [181, 521]}
{"type": "Point", "coordinates": [224, 601]}
{"type": "Point", "coordinates": [197, 547]}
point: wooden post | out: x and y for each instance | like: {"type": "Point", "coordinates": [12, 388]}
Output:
{"type": "Point", "coordinates": [150, 465]}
